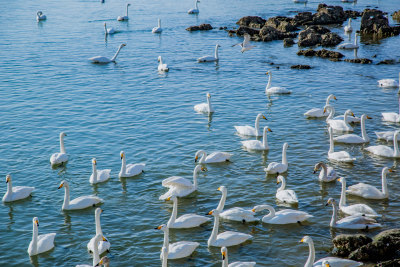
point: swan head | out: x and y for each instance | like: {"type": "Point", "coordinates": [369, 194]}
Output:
{"type": "Point", "coordinates": [128, 5]}
{"type": "Point", "coordinates": [341, 179]}
{"type": "Point", "coordinates": [99, 238]}
{"type": "Point", "coordinates": [260, 115]}
{"type": "Point", "coordinates": [208, 95]}
{"type": "Point", "coordinates": [332, 96]}
{"type": "Point", "coordinates": [364, 116]}
{"type": "Point", "coordinates": [159, 58]}
{"type": "Point", "coordinates": [285, 145]}
{"type": "Point", "coordinates": [224, 250]}
{"type": "Point", "coordinates": [327, 107]}
{"type": "Point", "coordinates": [62, 134]}
{"type": "Point", "coordinates": [122, 154]}
{"type": "Point", "coordinates": [98, 211]}
{"type": "Point", "coordinates": [39, 13]}
{"type": "Point", "coordinates": [267, 129]}
{"type": "Point", "coordinates": [63, 184]}
{"type": "Point", "coordinates": [218, 45]}
{"type": "Point", "coordinates": [325, 263]}
{"type": "Point", "coordinates": [8, 178]}
{"type": "Point", "coordinates": [268, 73]}
{"type": "Point", "coordinates": [94, 161]}
{"type": "Point", "coordinates": [330, 201]}
{"type": "Point", "coordinates": [199, 168]}
{"type": "Point", "coordinates": [349, 112]}
{"type": "Point", "coordinates": [162, 227]}
{"type": "Point", "coordinates": [260, 208]}
{"type": "Point", "coordinates": [104, 261]}
{"type": "Point", "coordinates": [214, 212]}
{"type": "Point", "coordinates": [122, 45]}
{"type": "Point", "coordinates": [173, 198]}
{"type": "Point", "coordinates": [317, 167]}
{"type": "Point", "coordinates": [35, 221]}
{"type": "Point", "coordinates": [306, 239]}
{"type": "Point", "coordinates": [223, 189]}
{"type": "Point", "coordinates": [196, 156]}
{"type": "Point", "coordinates": [384, 170]}
{"type": "Point", "coordinates": [279, 178]}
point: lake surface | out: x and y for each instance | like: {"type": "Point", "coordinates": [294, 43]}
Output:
{"type": "Point", "coordinates": [48, 85]}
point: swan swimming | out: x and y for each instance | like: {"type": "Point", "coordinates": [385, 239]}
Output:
{"type": "Point", "coordinates": [341, 125]}
{"type": "Point", "coordinates": [162, 67]}
{"type": "Point", "coordinates": [285, 195]}
{"type": "Point", "coordinates": [185, 221]}
{"type": "Point", "coordinates": [331, 110]}
{"type": "Point", "coordinates": [194, 10]}
{"type": "Point", "coordinates": [215, 157]}
{"type": "Point", "coordinates": [340, 156]}
{"type": "Point", "coordinates": [389, 83]}
{"type": "Point", "coordinates": [108, 30]}
{"type": "Point", "coordinates": [17, 192]}
{"type": "Point", "coordinates": [245, 45]}
{"type": "Point", "coordinates": [80, 202]}
{"type": "Point", "coordinates": [205, 107]}
{"type": "Point", "coordinates": [319, 112]}
{"type": "Point", "coordinates": [386, 151]}
{"type": "Point", "coordinates": [276, 89]}
{"type": "Point", "coordinates": [348, 27]}
{"type": "Point", "coordinates": [327, 173]}
{"type": "Point", "coordinates": [224, 252]}
{"type": "Point", "coordinates": [353, 138]}
{"type": "Point", "coordinates": [256, 144]}
{"type": "Point", "coordinates": [105, 60]}
{"type": "Point", "coordinates": [102, 246]}
{"type": "Point", "coordinates": [350, 45]}
{"type": "Point", "coordinates": [40, 243]}
{"type": "Point", "coordinates": [40, 16]}
{"type": "Point", "coordinates": [98, 176]}
{"type": "Point", "coordinates": [157, 29]}
{"type": "Point", "coordinates": [278, 167]}
{"type": "Point", "coordinates": [249, 130]}
{"type": "Point", "coordinates": [96, 254]}
{"type": "Point", "coordinates": [387, 136]}
{"type": "Point", "coordinates": [210, 58]}
{"type": "Point", "coordinates": [286, 216]}
{"type": "Point", "coordinates": [391, 117]}
{"type": "Point", "coordinates": [61, 157]}
{"type": "Point", "coordinates": [129, 170]}
{"type": "Point", "coordinates": [121, 18]}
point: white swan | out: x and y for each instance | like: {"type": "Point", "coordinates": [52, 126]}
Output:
{"type": "Point", "coordinates": [390, 117]}
{"type": "Point", "coordinates": [40, 243]}
{"type": "Point", "coordinates": [319, 112]}
{"type": "Point", "coordinates": [256, 144]}
{"type": "Point", "coordinates": [105, 60]}
{"type": "Point", "coordinates": [177, 250]}
{"type": "Point", "coordinates": [340, 156]}
{"type": "Point", "coordinates": [234, 214]}
{"type": "Point", "coordinates": [105, 261]}
{"type": "Point", "coordinates": [215, 157]}
{"type": "Point", "coordinates": [333, 261]}
{"type": "Point", "coordinates": [180, 186]}
{"type": "Point", "coordinates": [40, 16]}
{"type": "Point", "coordinates": [164, 257]}
{"type": "Point", "coordinates": [249, 130]}
{"type": "Point", "coordinates": [285, 216]}
{"type": "Point", "coordinates": [102, 246]}
{"type": "Point", "coordinates": [351, 222]}
{"type": "Point", "coordinates": [277, 167]}
{"type": "Point", "coordinates": [350, 45]}
{"type": "Point", "coordinates": [157, 29]}
{"type": "Point", "coordinates": [98, 176]}
{"type": "Point", "coordinates": [162, 66]}
{"type": "Point", "coordinates": [245, 45]}
{"type": "Point", "coordinates": [210, 58]}
{"type": "Point", "coordinates": [205, 107]}
{"type": "Point", "coordinates": [389, 83]}
{"type": "Point", "coordinates": [225, 239]}
{"type": "Point", "coordinates": [387, 136]}
{"type": "Point", "coordinates": [285, 195]}
{"type": "Point", "coordinates": [194, 10]}
{"type": "Point", "coordinates": [355, 209]}
{"type": "Point", "coordinates": [130, 170]}
{"type": "Point", "coordinates": [276, 89]}
{"type": "Point", "coordinates": [108, 30]}
{"type": "Point", "coordinates": [331, 110]}
{"type": "Point", "coordinates": [348, 27]}
{"type": "Point", "coordinates": [369, 191]}
{"type": "Point", "coordinates": [185, 221]}
{"type": "Point", "coordinates": [61, 157]}
{"type": "Point", "coordinates": [16, 192]}
{"type": "Point", "coordinates": [96, 255]}
{"type": "Point", "coordinates": [385, 151]}
{"type": "Point", "coordinates": [341, 125]}
{"type": "Point", "coordinates": [121, 18]}
{"type": "Point", "coordinates": [353, 138]}
{"type": "Point", "coordinates": [327, 173]}
{"type": "Point", "coordinates": [224, 252]}
{"type": "Point", "coordinates": [80, 202]}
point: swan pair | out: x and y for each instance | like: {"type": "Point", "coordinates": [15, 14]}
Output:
{"type": "Point", "coordinates": [350, 45]}
{"type": "Point", "coordinates": [340, 156]}
{"type": "Point", "coordinates": [40, 16]}
{"type": "Point", "coordinates": [385, 151]}
{"type": "Point", "coordinates": [17, 192]}
{"type": "Point", "coordinates": [256, 144]}
{"type": "Point", "coordinates": [389, 83]}
{"type": "Point", "coordinates": [108, 30]}
{"type": "Point", "coordinates": [40, 243]}
{"type": "Point", "coordinates": [224, 252]}
{"type": "Point", "coordinates": [319, 112]}
{"type": "Point", "coordinates": [194, 10]}
{"type": "Point", "coordinates": [102, 246]}
{"type": "Point", "coordinates": [98, 176]}
{"type": "Point", "coordinates": [129, 170]}
{"type": "Point", "coordinates": [121, 18]}
{"type": "Point", "coordinates": [286, 216]}
{"type": "Point", "coordinates": [249, 130]}
{"type": "Point", "coordinates": [106, 60]}
{"type": "Point", "coordinates": [80, 202]}
{"type": "Point", "coordinates": [353, 138]}
{"type": "Point", "coordinates": [277, 167]}
{"type": "Point", "coordinates": [245, 45]}
{"type": "Point", "coordinates": [157, 29]}
{"type": "Point", "coordinates": [339, 124]}
{"type": "Point", "coordinates": [327, 174]}
{"type": "Point", "coordinates": [185, 221]}
{"type": "Point", "coordinates": [287, 196]}
{"type": "Point", "coordinates": [331, 114]}
{"type": "Point", "coordinates": [369, 191]}
{"type": "Point", "coordinates": [276, 89]}
{"type": "Point", "coordinates": [162, 67]}
{"type": "Point", "coordinates": [348, 27]}
{"type": "Point", "coordinates": [96, 255]}
{"type": "Point", "coordinates": [61, 157]}
{"type": "Point", "coordinates": [210, 58]}
{"type": "Point", "coordinates": [205, 107]}
{"type": "Point", "coordinates": [215, 157]}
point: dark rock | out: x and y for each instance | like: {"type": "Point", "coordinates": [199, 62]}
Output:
{"type": "Point", "coordinates": [300, 67]}
{"type": "Point", "coordinates": [374, 56]}
{"type": "Point", "coordinates": [303, 18]}
{"type": "Point", "coordinates": [329, 15]}
{"type": "Point", "coordinates": [202, 27]}
{"type": "Point", "coordinates": [268, 33]}
{"type": "Point", "coordinates": [359, 60]}
{"type": "Point", "coordinates": [251, 31]}
{"type": "Point", "coordinates": [387, 62]}
{"type": "Point", "coordinates": [330, 39]}
{"type": "Point", "coordinates": [345, 244]}
{"type": "Point", "coordinates": [231, 33]}
{"type": "Point", "coordinates": [288, 42]}
{"type": "Point", "coordinates": [352, 14]}
{"type": "Point", "coordinates": [376, 22]}
{"type": "Point", "coordinates": [321, 53]}
{"type": "Point", "coordinates": [390, 263]}
{"type": "Point", "coordinates": [283, 24]}
{"type": "Point", "coordinates": [251, 21]}
{"type": "Point", "coordinates": [396, 15]}
{"type": "Point", "coordinates": [318, 35]}
{"type": "Point", "coordinates": [223, 28]}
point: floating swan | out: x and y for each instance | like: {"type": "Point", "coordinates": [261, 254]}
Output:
{"type": "Point", "coordinates": [234, 214]}
{"type": "Point", "coordinates": [16, 192]}
{"type": "Point", "coordinates": [224, 252]}
{"type": "Point", "coordinates": [180, 186]}
{"type": "Point", "coordinates": [353, 138]}
{"type": "Point", "coordinates": [333, 261]}
{"type": "Point", "coordinates": [327, 174]}
{"type": "Point", "coordinates": [249, 130]}
{"type": "Point", "coordinates": [121, 18]}
{"type": "Point", "coordinates": [40, 16]}
{"type": "Point", "coordinates": [355, 209]}
{"type": "Point", "coordinates": [185, 221]}
{"type": "Point", "coordinates": [162, 66]}
{"type": "Point", "coordinates": [285, 216]}
{"type": "Point", "coordinates": [194, 10]}
{"type": "Point", "coordinates": [319, 112]}
{"type": "Point", "coordinates": [177, 250]}
{"type": "Point", "coordinates": [225, 239]}
{"type": "Point", "coordinates": [245, 45]}
{"type": "Point", "coordinates": [105, 60]}
{"type": "Point", "coordinates": [369, 191]}
{"type": "Point", "coordinates": [215, 157]}
{"type": "Point", "coordinates": [80, 202]}
{"type": "Point", "coordinates": [389, 83]}
{"type": "Point", "coordinates": [40, 243]}
{"type": "Point", "coordinates": [385, 151]}
{"type": "Point", "coordinates": [351, 222]}
{"type": "Point", "coordinates": [350, 45]}
{"type": "Point", "coordinates": [210, 58]}
{"type": "Point", "coordinates": [130, 170]}
{"type": "Point", "coordinates": [340, 156]}
{"type": "Point", "coordinates": [157, 29]}
{"type": "Point", "coordinates": [341, 125]}
{"type": "Point", "coordinates": [98, 176]}
{"type": "Point", "coordinates": [331, 110]}
{"type": "Point", "coordinates": [108, 30]}
{"type": "Point", "coordinates": [348, 27]}
{"type": "Point", "coordinates": [285, 195]}
{"type": "Point", "coordinates": [391, 117]}
{"type": "Point", "coordinates": [96, 255]}
{"type": "Point", "coordinates": [205, 107]}
{"type": "Point", "coordinates": [105, 261]}
{"type": "Point", "coordinates": [256, 144]}
{"type": "Point", "coordinates": [276, 89]}
{"type": "Point", "coordinates": [102, 246]}
{"type": "Point", "coordinates": [60, 158]}
{"type": "Point", "coordinates": [276, 167]}
{"type": "Point", "coordinates": [387, 136]}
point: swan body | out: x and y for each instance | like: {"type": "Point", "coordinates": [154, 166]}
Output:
{"type": "Point", "coordinates": [121, 18]}
{"type": "Point", "coordinates": [40, 243]}
{"type": "Point", "coordinates": [249, 130]}
{"type": "Point", "coordinates": [341, 125]}
{"type": "Point", "coordinates": [162, 66]}
{"type": "Point", "coordinates": [224, 252]}
{"type": "Point", "coordinates": [180, 186]}
{"type": "Point", "coordinates": [108, 30]}
{"type": "Point", "coordinates": [349, 119]}
{"type": "Point", "coordinates": [96, 255]}
{"type": "Point", "coordinates": [285, 216]}
{"type": "Point", "coordinates": [215, 157]}
{"type": "Point", "coordinates": [388, 136]}
{"type": "Point", "coordinates": [327, 173]}
{"type": "Point", "coordinates": [319, 112]}
{"type": "Point", "coordinates": [205, 107]}
{"type": "Point", "coordinates": [340, 156]}
{"type": "Point", "coordinates": [369, 191]}
{"type": "Point", "coordinates": [98, 176]}
{"type": "Point", "coordinates": [130, 170]}
{"type": "Point", "coordinates": [300, 1]}
{"type": "Point", "coordinates": [61, 157]}
{"type": "Point", "coordinates": [385, 151]}
{"type": "Point", "coordinates": [40, 16]}
{"type": "Point", "coordinates": [102, 246]}
{"type": "Point", "coordinates": [194, 10]}
{"type": "Point", "coordinates": [82, 202]}
{"type": "Point", "coordinates": [390, 117]}
{"type": "Point", "coordinates": [245, 45]}
{"type": "Point", "coordinates": [256, 144]}
{"type": "Point", "coordinates": [355, 209]}
{"type": "Point", "coordinates": [389, 83]}
{"type": "Point", "coordinates": [210, 58]}
{"type": "Point", "coordinates": [225, 239]}
{"type": "Point", "coordinates": [17, 192]}
{"type": "Point", "coordinates": [276, 90]}
{"type": "Point", "coordinates": [348, 27]}
{"type": "Point", "coordinates": [277, 167]}
{"type": "Point", "coordinates": [157, 29]}
{"type": "Point", "coordinates": [177, 250]}
{"type": "Point", "coordinates": [350, 45]}
{"type": "Point", "coordinates": [353, 138]}
{"type": "Point", "coordinates": [285, 195]}
{"type": "Point", "coordinates": [184, 221]}
{"type": "Point", "coordinates": [106, 60]}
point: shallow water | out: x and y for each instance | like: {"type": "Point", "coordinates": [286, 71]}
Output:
{"type": "Point", "coordinates": [48, 86]}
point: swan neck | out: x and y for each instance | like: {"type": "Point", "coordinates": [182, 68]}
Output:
{"type": "Point", "coordinates": [66, 198]}
{"type": "Point", "coordinates": [62, 148]}
{"type": "Point", "coordinates": [364, 134]}
{"type": "Point", "coordinates": [225, 261]}
{"type": "Point", "coordinates": [355, 40]}
{"type": "Point", "coordinates": [342, 201]}
{"type": "Point", "coordinates": [271, 213]}
{"type": "Point", "coordinates": [328, 99]}
{"type": "Point", "coordinates": [164, 261]}
{"type": "Point", "coordinates": [34, 238]}
{"type": "Point", "coordinates": [384, 184]}
{"type": "Point", "coordinates": [214, 232]}
{"type": "Point", "coordinates": [331, 113]}
{"type": "Point", "coordinates": [159, 23]}
{"type": "Point", "coordinates": [221, 203]}
{"type": "Point", "coordinates": [331, 144]}
{"type": "Point", "coordinates": [174, 213]}
{"type": "Point", "coordinates": [265, 140]}
{"type": "Point", "coordinates": [127, 6]}
{"type": "Point", "coordinates": [396, 145]}
{"type": "Point", "coordinates": [119, 49]}
{"type": "Point", "coordinates": [166, 238]}
{"type": "Point", "coordinates": [160, 57]}
{"type": "Point", "coordinates": [269, 81]}
{"type": "Point", "coordinates": [9, 187]}
{"type": "Point", "coordinates": [257, 125]}
{"type": "Point", "coordinates": [216, 47]}
{"type": "Point", "coordinates": [94, 173]}
{"type": "Point", "coordinates": [345, 120]}
{"type": "Point", "coordinates": [283, 185]}
{"type": "Point", "coordinates": [203, 156]}
{"type": "Point", "coordinates": [208, 99]}
{"type": "Point", "coordinates": [324, 170]}
{"type": "Point", "coordinates": [311, 255]}
{"type": "Point", "coordinates": [195, 174]}
{"type": "Point", "coordinates": [284, 159]}
{"type": "Point", "coordinates": [334, 215]}
{"type": "Point", "coordinates": [196, 5]}
{"type": "Point", "coordinates": [96, 256]}
{"type": "Point", "coordinates": [123, 166]}
{"type": "Point", "coordinates": [98, 224]}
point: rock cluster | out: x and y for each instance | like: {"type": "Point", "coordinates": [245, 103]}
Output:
{"type": "Point", "coordinates": [202, 27]}
{"type": "Point", "coordinates": [374, 21]}
{"type": "Point", "coordinates": [317, 35]}
{"type": "Point", "coordinates": [301, 67]}
{"type": "Point", "coordinates": [396, 15]}
{"type": "Point", "coordinates": [323, 53]}
{"type": "Point", "coordinates": [359, 60]}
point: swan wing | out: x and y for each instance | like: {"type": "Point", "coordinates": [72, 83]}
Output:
{"type": "Point", "coordinates": [203, 107]}
{"type": "Point", "coordinates": [277, 90]}
{"type": "Point", "coordinates": [103, 175]}
{"type": "Point", "coordinates": [135, 169]}
{"type": "Point", "coordinates": [218, 157]}
{"type": "Point", "coordinates": [349, 139]}
{"type": "Point", "coordinates": [276, 167]}
{"type": "Point", "coordinates": [177, 191]}
{"type": "Point", "coordinates": [349, 118]}
{"type": "Point", "coordinates": [58, 158]}
{"type": "Point", "coordinates": [176, 181]}
{"type": "Point", "coordinates": [253, 144]}
{"type": "Point", "coordinates": [381, 150]}
{"type": "Point", "coordinates": [246, 130]}
{"type": "Point", "coordinates": [287, 196]}
{"type": "Point", "coordinates": [390, 116]}
{"type": "Point", "coordinates": [100, 59]}
{"type": "Point", "coordinates": [206, 58]}
{"type": "Point", "coordinates": [190, 220]}
{"type": "Point", "coordinates": [181, 249]}
{"type": "Point", "coordinates": [242, 264]}
{"type": "Point", "coordinates": [341, 156]}
{"type": "Point", "coordinates": [316, 113]}
{"type": "Point", "coordinates": [45, 242]}
{"type": "Point", "coordinates": [365, 190]}
{"type": "Point", "coordinates": [339, 125]}
{"type": "Point", "coordinates": [20, 192]}
{"type": "Point", "coordinates": [388, 83]}
{"type": "Point", "coordinates": [230, 238]}
{"type": "Point", "coordinates": [288, 216]}
{"type": "Point", "coordinates": [388, 135]}
{"type": "Point", "coordinates": [337, 262]}
{"type": "Point", "coordinates": [84, 202]}
{"type": "Point", "coordinates": [359, 209]}
{"type": "Point", "coordinates": [238, 214]}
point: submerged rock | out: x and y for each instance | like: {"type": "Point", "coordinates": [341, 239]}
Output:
{"type": "Point", "coordinates": [317, 35]}
{"type": "Point", "coordinates": [301, 67]}
{"type": "Point", "coordinates": [283, 24]}
{"type": "Point", "coordinates": [251, 21]}
{"type": "Point", "coordinates": [359, 60]}
{"type": "Point", "coordinates": [333, 55]}
{"type": "Point", "coordinates": [396, 15]}
{"type": "Point", "coordinates": [288, 42]}
{"type": "Point", "coordinates": [352, 14]}
{"type": "Point", "coordinates": [387, 62]}
{"type": "Point", "coordinates": [268, 33]}
{"type": "Point", "coordinates": [390, 263]}
{"type": "Point", "coordinates": [345, 244]}
{"type": "Point", "coordinates": [202, 27]}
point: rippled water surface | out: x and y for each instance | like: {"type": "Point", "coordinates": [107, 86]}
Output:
{"type": "Point", "coordinates": [48, 86]}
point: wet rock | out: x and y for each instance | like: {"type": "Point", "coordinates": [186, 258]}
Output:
{"type": "Point", "coordinates": [329, 15]}
{"type": "Point", "coordinates": [396, 15]}
{"type": "Point", "coordinates": [352, 14]}
{"type": "Point", "coordinates": [318, 35]}
{"type": "Point", "coordinates": [268, 33]}
{"type": "Point", "coordinates": [323, 53]}
{"type": "Point", "coordinates": [345, 244]}
{"type": "Point", "coordinates": [251, 31]}
{"type": "Point", "coordinates": [283, 24]}
{"type": "Point", "coordinates": [303, 18]}
{"type": "Point", "coordinates": [387, 62]}
{"type": "Point", "coordinates": [252, 22]}
{"type": "Point", "coordinates": [390, 263]}
{"type": "Point", "coordinates": [359, 60]}
{"type": "Point", "coordinates": [288, 42]}
{"type": "Point", "coordinates": [202, 27]}
{"type": "Point", "coordinates": [223, 28]}
{"type": "Point", "coordinates": [301, 67]}
{"type": "Point", "coordinates": [373, 20]}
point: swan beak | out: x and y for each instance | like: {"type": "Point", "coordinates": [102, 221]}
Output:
{"type": "Point", "coordinates": [223, 255]}
{"type": "Point", "coordinates": [122, 156]}
{"type": "Point", "coordinates": [352, 114]}
{"type": "Point", "coordinates": [315, 171]}
{"type": "Point", "coordinates": [7, 180]}
{"type": "Point", "coordinates": [277, 182]}
{"type": "Point", "coordinates": [327, 265]}
{"type": "Point", "coordinates": [94, 162]}
{"type": "Point", "coordinates": [267, 73]}
{"type": "Point", "coordinates": [368, 117]}
{"type": "Point", "coordinates": [204, 169]}
{"type": "Point", "coordinates": [339, 180]}
{"type": "Point", "coordinates": [105, 239]}
{"type": "Point", "coordinates": [37, 222]}
{"type": "Point", "coordinates": [168, 199]}
{"type": "Point", "coordinates": [269, 130]}
{"type": "Point", "coordinates": [391, 170]}
{"type": "Point", "coordinates": [324, 110]}
{"type": "Point", "coordinates": [219, 188]}
{"type": "Point", "coordinates": [334, 97]}
{"type": "Point", "coordinates": [327, 203]}
{"type": "Point", "coordinates": [302, 240]}
{"type": "Point", "coordinates": [210, 213]}
{"type": "Point", "coordinates": [208, 95]}
{"type": "Point", "coordinates": [100, 262]}
{"type": "Point", "coordinates": [61, 185]}
{"type": "Point", "coordinates": [253, 210]}
{"type": "Point", "coordinates": [158, 228]}
{"type": "Point", "coordinates": [196, 158]}
{"type": "Point", "coordinates": [264, 117]}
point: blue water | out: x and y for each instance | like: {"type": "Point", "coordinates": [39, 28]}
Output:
{"type": "Point", "coordinates": [48, 85]}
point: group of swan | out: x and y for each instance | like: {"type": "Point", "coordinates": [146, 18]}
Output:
{"type": "Point", "coordinates": [386, 151]}
{"type": "Point", "coordinates": [319, 112]}
{"type": "Point", "coordinates": [96, 254]}
{"type": "Point", "coordinates": [205, 107]}
{"type": "Point", "coordinates": [339, 156]}
{"type": "Point", "coordinates": [210, 58]}
{"type": "Point", "coordinates": [331, 115]}
{"type": "Point", "coordinates": [106, 60]}
{"type": "Point", "coordinates": [339, 124]}
{"type": "Point", "coordinates": [276, 89]}
{"type": "Point", "coordinates": [245, 45]}
{"type": "Point", "coordinates": [353, 138]}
